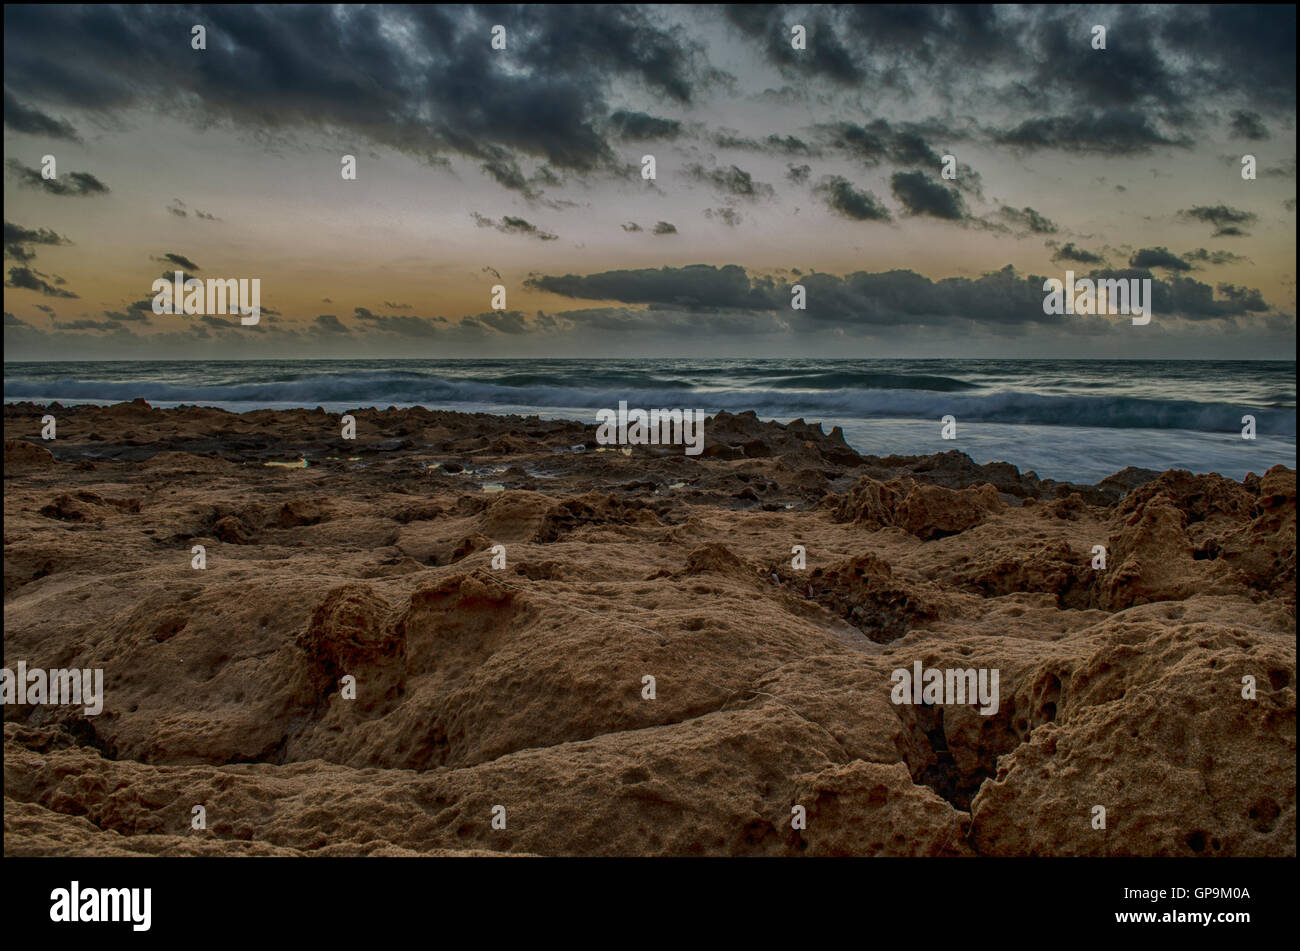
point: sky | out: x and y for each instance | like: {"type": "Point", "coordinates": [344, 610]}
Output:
{"type": "Point", "coordinates": [775, 166]}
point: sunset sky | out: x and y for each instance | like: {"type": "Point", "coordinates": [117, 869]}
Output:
{"type": "Point", "coordinates": [775, 166]}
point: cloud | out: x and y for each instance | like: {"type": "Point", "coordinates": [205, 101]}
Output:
{"type": "Point", "coordinates": [632, 226]}
{"type": "Point", "coordinates": [841, 197]}
{"type": "Point", "coordinates": [1205, 256]}
{"type": "Point", "coordinates": [770, 145]}
{"type": "Point", "coordinates": [1226, 220]}
{"type": "Point", "coordinates": [798, 173]}
{"type": "Point", "coordinates": [1110, 132]}
{"type": "Point", "coordinates": [638, 126]}
{"type": "Point", "coordinates": [1028, 220]}
{"type": "Point", "coordinates": [16, 239]}
{"type": "Point", "coordinates": [1070, 252]}
{"type": "Point", "coordinates": [404, 325]}
{"type": "Point", "coordinates": [127, 316]}
{"type": "Point", "coordinates": [24, 278]}
{"type": "Point", "coordinates": [769, 24]}
{"type": "Point", "coordinates": [512, 225]}
{"type": "Point", "coordinates": [880, 141]}
{"type": "Point", "coordinates": [728, 216]}
{"type": "Point", "coordinates": [180, 260]}
{"type": "Point", "coordinates": [74, 183]}
{"type": "Point", "coordinates": [694, 286]}
{"type": "Point", "coordinates": [1249, 125]}
{"type": "Point", "coordinates": [32, 121]}
{"type": "Point", "coordinates": [502, 321]}
{"type": "Point", "coordinates": [330, 324]}
{"type": "Point", "coordinates": [422, 80]}
{"type": "Point", "coordinates": [1161, 62]}
{"type": "Point", "coordinates": [888, 299]}
{"type": "Point", "coordinates": [732, 181]}
{"type": "Point", "coordinates": [922, 196]}
{"type": "Point", "coordinates": [1159, 257]}
{"type": "Point", "coordinates": [79, 325]}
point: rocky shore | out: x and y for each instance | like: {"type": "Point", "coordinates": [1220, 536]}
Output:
{"type": "Point", "coordinates": [558, 648]}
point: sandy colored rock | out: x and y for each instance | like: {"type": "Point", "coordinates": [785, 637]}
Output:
{"type": "Point", "coordinates": [649, 673]}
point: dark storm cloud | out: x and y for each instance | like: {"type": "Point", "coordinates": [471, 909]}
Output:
{"type": "Point", "coordinates": [921, 195]}
{"type": "Point", "coordinates": [16, 239]}
{"type": "Point", "coordinates": [639, 126]}
{"type": "Point", "coordinates": [1249, 125]}
{"type": "Point", "coordinates": [1028, 220]}
{"type": "Point", "coordinates": [509, 224]}
{"type": "Point", "coordinates": [27, 279]}
{"type": "Point", "coordinates": [426, 81]}
{"type": "Point", "coordinates": [1108, 132]}
{"type": "Point", "coordinates": [71, 183]}
{"type": "Point", "coordinates": [771, 26]}
{"type": "Point", "coordinates": [730, 181]}
{"type": "Point", "coordinates": [23, 118]}
{"type": "Point", "coordinates": [1160, 257]}
{"type": "Point", "coordinates": [664, 227]}
{"type": "Point", "coordinates": [1129, 72]}
{"type": "Point", "coordinates": [879, 141]}
{"type": "Point", "coordinates": [1163, 61]}
{"type": "Point", "coordinates": [841, 197]}
{"type": "Point", "coordinates": [423, 80]}
{"type": "Point", "coordinates": [1248, 50]}
{"type": "Point", "coordinates": [694, 286]}
{"type": "Point", "coordinates": [1076, 255]}
{"type": "Point", "coordinates": [771, 145]}
{"type": "Point", "coordinates": [884, 299]}
{"type": "Point", "coordinates": [1226, 220]}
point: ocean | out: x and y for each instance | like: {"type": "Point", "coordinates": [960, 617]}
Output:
{"type": "Point", "coordinates": [1077, 420]}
